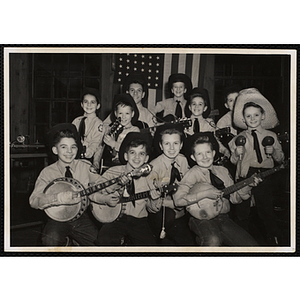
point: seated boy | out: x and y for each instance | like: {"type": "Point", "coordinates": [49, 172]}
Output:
{"type": "Point", "coordinates": [168, 168]}
{"type": "Point", "coordinates": [89, 126]}
{"type": "Point", "coordinates": [125, 109]}
{"type": "Point", "coordinates": [180, 86]}
{"type": "Point", "coordinates": [132, 225]}
{"type": "Point", "coordinates": [65, 142]}
{"type": "Point", "coordinates": [210, 221]}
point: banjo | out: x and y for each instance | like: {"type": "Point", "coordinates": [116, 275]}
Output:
{"type": "Point", "coordinates": [71, 212]}
{"type": "Point", "coordinates": [209, 208]}
{"type": "Point", "coordinates": [107, 214]}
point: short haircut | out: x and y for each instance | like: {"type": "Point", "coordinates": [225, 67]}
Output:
{"type": "Point", "coordinates": [198, 95]}
{"type": "Point", "coordinates": [136, 143]}
{"type": "Point", "coordinates": [91, 92]}
{"type": "Point", "coordinates": [171, 131]}
{"type": "Point", "coordinates": [178, 80]}
{"type": "Point", "coordinates": [123, 104]}
{"type": "Point", "coordinates": [63, 134]}
{"type": "Point", "coordinates": [252, 104]}
{"type": "Point", "coordinates": [201, 140]}
{"type": "Point", "coordinates": [141, 82]}
{"type": "Point", "coordinates": [230, 90]}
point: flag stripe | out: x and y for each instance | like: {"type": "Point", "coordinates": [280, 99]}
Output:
{"type": "Point", "coordinates": [151, 98]}
{"type": "Point", "coordinates": [189, 65]}
{"type": "Point", "coordinates": [181, 63]}
{"type": "Point", "coordinates": [195, 70]}
{"type": "Point", "coordinates": [167, 73]}
{"type": "Point", "coordinates": [175, 60]}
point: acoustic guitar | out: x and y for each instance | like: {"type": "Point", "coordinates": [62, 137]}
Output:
{"type": "Point", "coordinates": [71, 212]}
{"type": "Point", "coordinates": [209, 208]}
{"type": "Point", "coordinates": [107, 214]}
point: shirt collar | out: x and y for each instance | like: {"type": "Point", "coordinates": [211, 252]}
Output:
{"type": "Point", "coordinates": [62, 166]}
{"type": "Point", "coordinates": [167, 162]}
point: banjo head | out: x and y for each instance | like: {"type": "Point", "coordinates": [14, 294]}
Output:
{"type": "Point", "coordinates": [64, 213]}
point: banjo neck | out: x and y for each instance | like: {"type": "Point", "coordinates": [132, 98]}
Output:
{"type": "Point", "coordinates": [143, 170]}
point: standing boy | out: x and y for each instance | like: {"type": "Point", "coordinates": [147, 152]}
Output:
{"type": "Point", "coordinates": [65, 142]}
{"type": "Point", "coordinates": [89, 126]}
{"type": "Point", "coordinates": [180, 86]}
{"type": "Point", "coordinates": [210, 221]}
{"type": "Point", "coordinates": [168, 168]}
{"type": "Point", "coordinates": [254, 113]}
{"type": "Point", "coordinates": [132, 224]}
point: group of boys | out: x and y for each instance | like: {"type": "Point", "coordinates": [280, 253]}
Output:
{"type": "Point", "coordinates": [169, 211]}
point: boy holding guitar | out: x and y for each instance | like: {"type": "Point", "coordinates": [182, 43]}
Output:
{"type": "Point", "coordinates": [65, 142]}
{"type": "Point", "coordinates": [259, 149]}
{"type": "Point", "coordinates": [124, 216]}
{"type": "Point", "coordinates": [201, 191]}
{"type": "Point", "coordinates": [170, 223]}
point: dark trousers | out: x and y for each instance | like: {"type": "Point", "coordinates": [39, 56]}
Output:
{"type": "Point", "coordinates": [219, 231]}
{"type": "Point", "coordinates": [177, 230]}
{"type": "Point", "coordinates": [82, 230]}
{"type": "Point", "coordinates": [264, 199]}
{"type": "Point", "coordinates": [127, 228]}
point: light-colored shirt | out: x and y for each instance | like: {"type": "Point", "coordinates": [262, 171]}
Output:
{"type": "Point", "coordinates": [206, 124]}
{"type": "Point", "coordinates": [81, 170]}
{"type": "Point", "coordinates": [249, 158]}
{"type": "Point", "coordinates": [169, 107]}
{"type": "Point", "coordinates": [226, 121]}
{"type": "Point", "coordinates": [161, 175]}
{"type": "Point", "coordinates": [140, 184]}
{"type": "Point", "coordinates": [93, 133]}
{"type": "Point", "coordinates": [201, 175]}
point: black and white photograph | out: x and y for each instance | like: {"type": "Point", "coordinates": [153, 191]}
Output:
{"type": "Point", "coordinates": [150, 150]}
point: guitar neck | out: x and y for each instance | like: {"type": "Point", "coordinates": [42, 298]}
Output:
{"type": "Point", "coordinates": [137, 196]}
{"type": "Point", "coordinates": [100, 186]}
{"type": "Point", "coordinates": [241, 184]}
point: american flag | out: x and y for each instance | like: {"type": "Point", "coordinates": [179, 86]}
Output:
{"type": "Point", "coordinates": [157, 69]}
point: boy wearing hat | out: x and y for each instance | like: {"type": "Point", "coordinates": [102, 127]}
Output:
{"type": "Point", "coordinates": [211, 223]}
{"type": "Point", "coordinates": [136, 86]}
{"type": "Point", "coordinates": [179, 85]}
{"type": "Point", "coordinates": [126, 110]}
{"type": "Point", "coordinates": [65, 143]}
{"type": "Point", "coordinates": [255, 114]}
{"type": "Point", "coordinates": [168, 168]}
{"type": "Point", "coordinates": [89, 126]}
{"type": "Point", "coordinates": [198, 109]}
{"type": "Point", "coordinates": [132, 224]}
{"type": "Point", "coordinates": [230, 95]}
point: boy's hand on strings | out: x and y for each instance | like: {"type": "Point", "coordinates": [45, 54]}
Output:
{"type": "Point", "coordinates": [125, 179]}
{"type": "Point", "coordinates": [269, 150]}
{"type": "Point", "coordinates": [211, 193]}
{"type": "Point", "coordinates": [239, 150]}
{"type": "Point", "coordinates": [68, 197]}
{"type": "Point", "coordinates": [256, 181]}
{"type": "Point", "coordinates": [111, 199]}
{"type": "Point", "coordinates": [108, 140]}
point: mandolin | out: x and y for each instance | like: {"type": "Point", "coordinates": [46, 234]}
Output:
{"type": "Point", "coordinates": [107, 214]}
{"type": "Point", "coordinates": [64, 213]}
{"type": "Point", "coordinates": [209, 208]}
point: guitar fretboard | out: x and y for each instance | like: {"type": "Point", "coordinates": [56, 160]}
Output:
{"type": "Point", "coordinates": [249, 180]}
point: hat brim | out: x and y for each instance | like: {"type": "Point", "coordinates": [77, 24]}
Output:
{"type": "Point", "coordinates": [253, 95]}
{"type": "Point", "coordinates": [132, 136]}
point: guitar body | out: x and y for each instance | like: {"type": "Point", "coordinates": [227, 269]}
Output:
{"type": "Point", "coordinates": [206, 209]}
{"type": "Point", "coordinates": [105, 213]}
{"type": "Point", "coordinates": [64, 213]}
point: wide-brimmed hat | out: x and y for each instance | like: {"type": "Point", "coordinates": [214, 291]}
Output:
{"type": "Point", "coordinates": [133, 136]}
{"type": "Point", "coordinates": [160, 129]}
{"type": "Point", "coordinates": [180, 77]}
{"type": "Point", "coordinates": [126, 99]}
{"type": "Point", "coordinates": [61, 127]}
{"type": "Point", "coordinates": [253, 95]}
{"type": "Point", "coordinates": [198, 92]}
{"type": "Point", "coordinates": [137, 78]}
{"type": "Point", "coordinates": [91, 91]}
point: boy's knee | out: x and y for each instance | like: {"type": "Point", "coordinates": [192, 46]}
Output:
{"type": "Point", "coordinates": [212, 241]}
{"type": "Point", "coordinates": [54, 239]}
